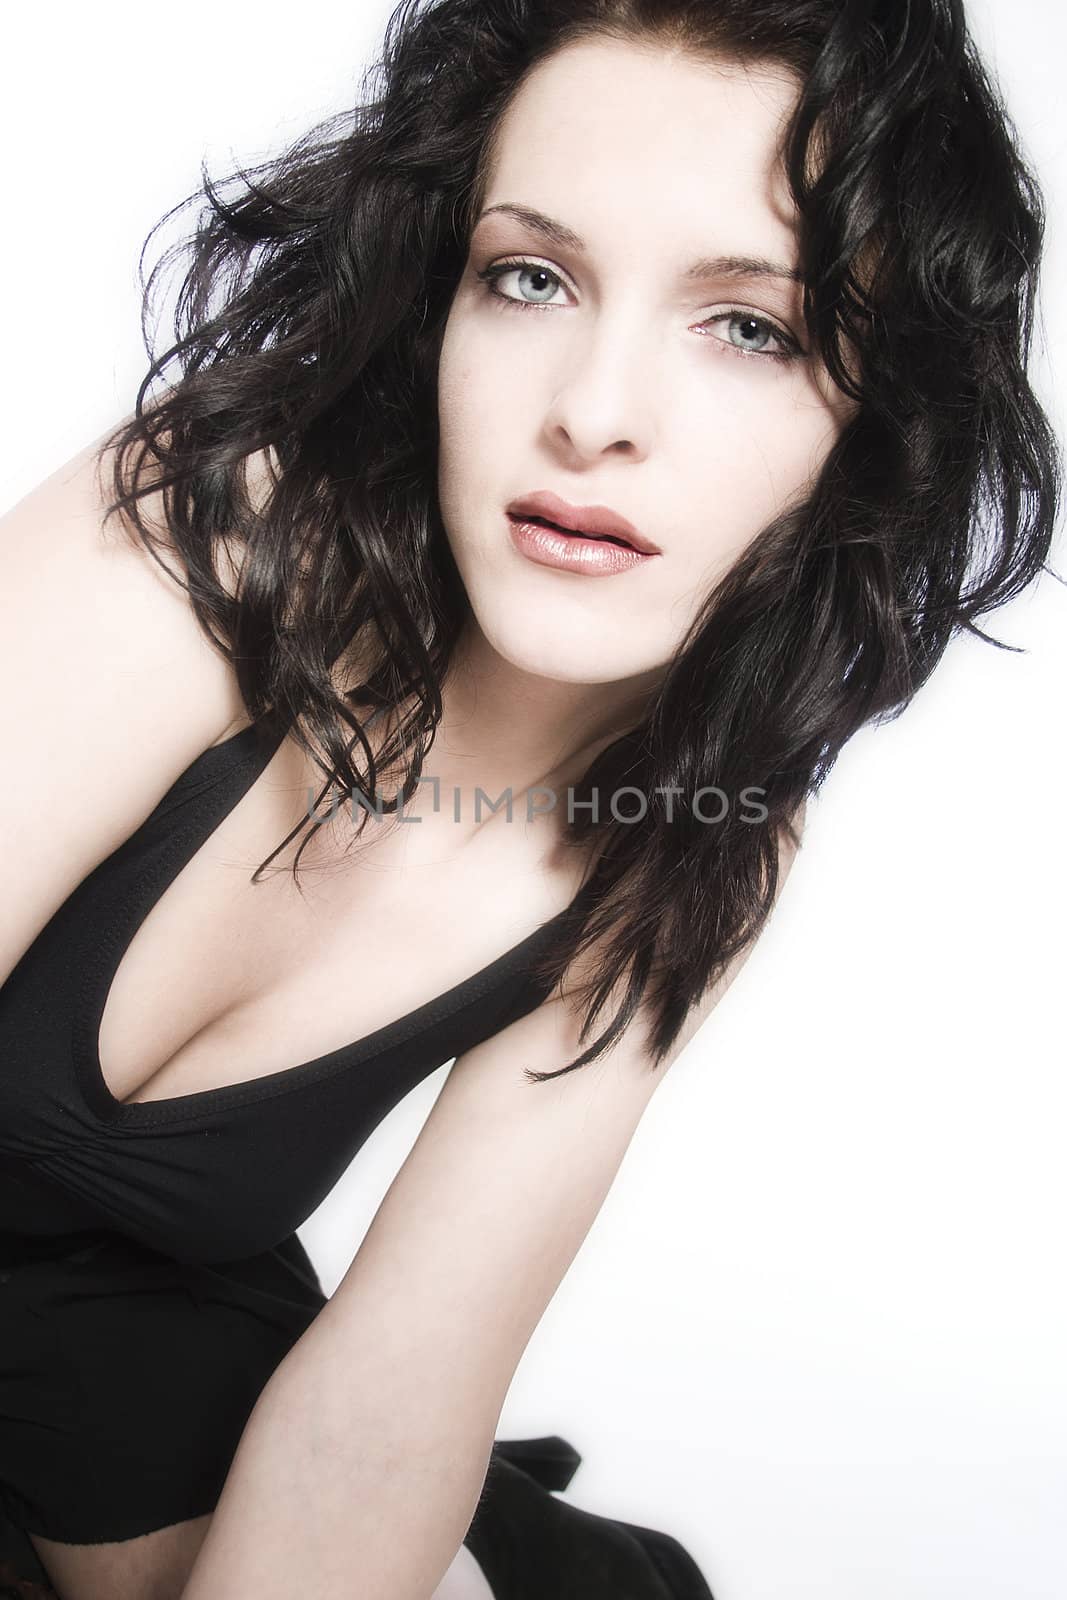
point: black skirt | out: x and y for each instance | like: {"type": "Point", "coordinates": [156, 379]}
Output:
{"type": "Point", "coordinates": [127, 1378]}
{"type": "Point", "coordinates": [126, 1381]}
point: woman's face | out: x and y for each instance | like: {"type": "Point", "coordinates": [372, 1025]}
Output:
{"type": "Point", "coordinates": [613, 362]}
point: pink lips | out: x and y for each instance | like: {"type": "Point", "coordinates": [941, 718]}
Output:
{"type": "Point", "coordinates": [593, 521]}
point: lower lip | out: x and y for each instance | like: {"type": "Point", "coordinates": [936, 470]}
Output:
{"type": "Point", "coordinates": [572, 552]}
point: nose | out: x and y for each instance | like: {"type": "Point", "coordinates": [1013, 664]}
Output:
{"type": "Point", "coordinates": [603, 401]}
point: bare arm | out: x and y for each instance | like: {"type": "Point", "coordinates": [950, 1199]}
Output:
{"type": "Point", "coordinates": [360, 1468]}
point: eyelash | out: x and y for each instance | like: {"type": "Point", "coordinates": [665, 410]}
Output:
{"type": "Point", "coordinates": [791, 351]}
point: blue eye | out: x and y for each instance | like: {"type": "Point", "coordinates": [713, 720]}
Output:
{"type": "Point", "coordinates": [531, 269]}
{"type": "Point", "coordinates": [549, 281]}
{"type": "Point", "coordinates": [761, 327]}
{"type": "Point", "coordinates": [790, 349]}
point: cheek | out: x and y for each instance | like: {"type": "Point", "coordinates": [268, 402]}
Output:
{"type": "Point", "coordinates": [469, 433]}
{"type": "Point", "coordinates": [450, 385]}
{"type": "Point", "coordinates": [454, 424]}
{"type": "Point", "coordinates": [758, 453]}
{"type": "Point", "coordinates": [742, 466]}
{"type": "Point", "coordinates": [474, 366]}
{"type": "Point", "coordinates": [468, 403]}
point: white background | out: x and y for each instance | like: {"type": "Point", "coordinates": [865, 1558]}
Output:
{"type": "Point", "coordinates": [818, 1328]}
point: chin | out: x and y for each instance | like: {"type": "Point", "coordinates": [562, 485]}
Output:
{"type": "Point", "coordinates": [557, 647]}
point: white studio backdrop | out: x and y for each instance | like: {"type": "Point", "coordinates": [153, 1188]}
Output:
{"type": "Point", "coordinates": [817, 1329]}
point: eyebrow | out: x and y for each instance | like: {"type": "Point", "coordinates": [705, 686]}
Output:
{"type": "Point", "coordinates": [706, 267]}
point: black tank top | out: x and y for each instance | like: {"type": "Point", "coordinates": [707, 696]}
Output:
{"type": "Point", "coordinates": [223, 1173]}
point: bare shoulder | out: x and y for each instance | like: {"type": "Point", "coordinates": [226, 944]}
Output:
{"type": "Point", "coordinates": [112, 689]}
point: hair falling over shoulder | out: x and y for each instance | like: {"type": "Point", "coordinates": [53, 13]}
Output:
{"type": "Point", "coordinates": [306, 331]}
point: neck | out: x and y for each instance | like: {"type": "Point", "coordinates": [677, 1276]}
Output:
{"type": "Point", "coordinates": [505, 727]}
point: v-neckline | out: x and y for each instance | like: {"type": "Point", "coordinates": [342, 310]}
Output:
{"type": "Point", "coordinates": [179, 849]}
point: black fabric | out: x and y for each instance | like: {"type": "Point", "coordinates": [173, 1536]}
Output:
{"type": "Point", "coordinates": [532, 1546]}
{"type": "Point", "coordinates": [150, 1274]}
{"type": "Point", "coordinates": [127, 1379]}
{"type": "Point", "coordinates": [224, 1173]}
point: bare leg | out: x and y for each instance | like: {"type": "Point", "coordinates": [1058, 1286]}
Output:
{"type": "Point", "coordinates": [156, 1566]}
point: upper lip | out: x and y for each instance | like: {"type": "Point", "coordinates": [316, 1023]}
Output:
{"type": "Point", "coordinates": [581, 519]}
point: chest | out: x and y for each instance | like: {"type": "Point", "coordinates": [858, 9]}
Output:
{"type": "Point", "coordinates": [225, 980]}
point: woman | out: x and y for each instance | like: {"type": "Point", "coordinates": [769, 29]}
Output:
{"type": "Point", "coordinates": [415, 361]}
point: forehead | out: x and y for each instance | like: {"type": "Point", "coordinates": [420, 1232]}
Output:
{"type": "Point", "coordinates": [667, 140]}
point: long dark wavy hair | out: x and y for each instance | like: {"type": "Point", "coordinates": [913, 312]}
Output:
{"type": "Point", "coordinates": [308, 326]}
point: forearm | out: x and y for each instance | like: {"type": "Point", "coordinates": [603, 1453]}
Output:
{"type": "Point", "coordinates": [356, 1475]}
